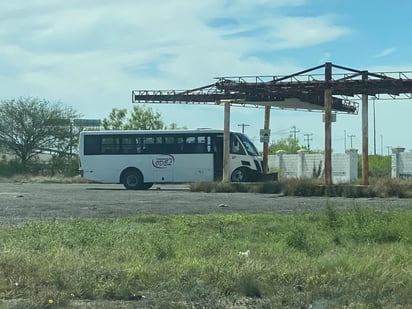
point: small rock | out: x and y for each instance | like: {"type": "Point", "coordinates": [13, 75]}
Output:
{"type": "Point", "coordinates": [136, 297]}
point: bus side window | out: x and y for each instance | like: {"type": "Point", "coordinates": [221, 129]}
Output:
{"type": "Point", "coordinates": [92, 145]}
{"type": "Point", "coordinates": [201, 144]}
{"type": "Point", "coordinates": [148, 143]}
{"type": "Point", "coordinates": [158, 146]}
{"type": "Point", "coordinates": [209, 144]}
{"type": "Point", "coordinates": [128, 145]}
{"type": "Point", "coordinates": [110, 145]}
{"type": "Point", "coordinates": [179, 144]}
{"type": "Point", "coordinates": [190, 144]}
{"type": "Point", "coordinates": [170, 145]}
{"type": "Point", "coordinates": [139, 146]}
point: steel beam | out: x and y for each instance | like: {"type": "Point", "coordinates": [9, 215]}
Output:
{"type": "Point", "coordinates": [266, 145]}
{"type": "Point", "coordinates": [226, 143]}
{"type": "Point", "coordinates": [328, 126]}
{"type": "Point", "coordinates": [365, 139]}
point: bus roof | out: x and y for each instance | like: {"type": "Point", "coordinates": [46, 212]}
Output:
{"type": "Point", "coordinates": [111, 132]}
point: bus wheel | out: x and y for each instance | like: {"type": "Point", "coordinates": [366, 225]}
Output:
{"type": "Point", "coordinates": [147, 185]}
{"type": "Point", "coordinates": [133, 180]}
{"type": "Point", "coordinates": [240, 175]}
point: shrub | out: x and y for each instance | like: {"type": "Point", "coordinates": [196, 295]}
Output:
{"type": "Point", "coordinates": [57, 165]}
{"type": "Point", "coordinates": [389, 187]}
{"type": "Point", "coordinates": [302, 187]}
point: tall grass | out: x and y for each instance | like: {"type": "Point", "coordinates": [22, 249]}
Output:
{"type": "Point", "coordinates": [359, 259]}
{"type": "Point", "coordinates": [379, 187]}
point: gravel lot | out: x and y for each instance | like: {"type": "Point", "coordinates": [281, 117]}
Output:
{"type": "Point", "coordinates": [20, 203]}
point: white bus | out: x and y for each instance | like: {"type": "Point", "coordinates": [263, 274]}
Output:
{"type": "Point", "coordinates": [137, 159]}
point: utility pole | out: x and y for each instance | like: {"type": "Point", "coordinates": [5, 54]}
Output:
{"type": "Point", "coordinates": [344, 139]}
{"type": "Point", "coordinates": [308, 139]}
{"type": "Point", "coordinates": [389, 149]}
{"type": "Point", "coordinates": [294, 132]}
{"type": "Point", "coordinates": [351, 136]}
{"type": "Point", "coordinates": [243, 125]}
{"type": "Point", "coordinates": [374, 129]}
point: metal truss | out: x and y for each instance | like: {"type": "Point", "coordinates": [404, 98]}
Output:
{"type": "Point", "coordinates": [299, 91]}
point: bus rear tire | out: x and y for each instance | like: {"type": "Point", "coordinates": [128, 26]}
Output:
{"type": "Point", "coordinates": [240, 174]}
{"type": "Point", "coordinates": [132, 180]}
{"type": "Point", "coordinates": [147, 185]}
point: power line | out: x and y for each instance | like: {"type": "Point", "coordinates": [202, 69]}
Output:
{"type": "Point", "coordinates": [351, 136]}
{"type": "Point", "coordinates": [308, 139]}
{"type": "Point", "coordinates": [294, 132]}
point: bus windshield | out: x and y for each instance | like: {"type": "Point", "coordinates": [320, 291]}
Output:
{"type": "Point", "coordinates": [249, 146]}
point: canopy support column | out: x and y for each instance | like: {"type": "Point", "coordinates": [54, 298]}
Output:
{"type": "Point", "coordinates": [226, 143]}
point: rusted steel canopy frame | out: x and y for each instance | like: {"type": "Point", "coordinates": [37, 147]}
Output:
{"type": "Point", "coordinates": [226, 143]}
{"type": "Point", "coordinates": [365, 140]}
{"type": "Point", "coordinates": [216, 96]}
{"type": "Point", "coordinates": [328, 126]}
{"type": "Point", "coordinates": [317, 92]}
{"type": "Point", "coordinates": [265, 154]}
{"type": "Point", "coordinates": [345, 87]}
{"type": "Point", "coordinates": [236, 96]}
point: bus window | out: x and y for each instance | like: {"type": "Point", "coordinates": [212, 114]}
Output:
{"type": "Point", "coordinates": [110, 144]}
{"type": "Point", "coordinates": [169, 144]}
{"type": "Point", "coordinates": [250, 148]}
{"type": "Point", "coordinates": [201, 144]}
{"type": "Point", "coordinates": [139, 144]}
{"type": "Point", "coordinates": [235, 146]}
{"type": "Point", "coordinates": [148, 142]}
{"type": "Point", "coordinates": [128, 144]}
{"type": "Point", "coordinates": [91, 145]}
{"type": "Point", "coordinates": [179, 144]}
{"type": "Point", "coordinates": [158, 140]}
{"type": "Point", "coordinates": [169, 140]}
{"type": "Point", "coordinates": [190, 140]}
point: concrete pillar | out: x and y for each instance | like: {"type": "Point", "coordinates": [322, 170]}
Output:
{"type": "Point", "coordinates": [280, 154]}
{"type": "Point", "coordinates": [300, 163]}
{"type": "Point", "coordinates": [396, 152]}
{"type": "Point", "coordinates": [352, 164]}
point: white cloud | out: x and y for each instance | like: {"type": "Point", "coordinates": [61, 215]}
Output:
{"type": "Point", "coordinates": [386, 52]}
{"type": "Point", "coordinates": [91, 54]}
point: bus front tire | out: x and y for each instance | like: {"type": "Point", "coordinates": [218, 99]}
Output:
{"type": "Point", "coordinates": [132, 180]}
{"type": "Point", "coordinates": [240, 174]}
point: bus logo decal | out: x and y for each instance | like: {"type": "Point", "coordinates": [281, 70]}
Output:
{"type": "Point", "coordinates": [163, 161]}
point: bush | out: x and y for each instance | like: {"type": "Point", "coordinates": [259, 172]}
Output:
{"type": "Point", "coordinates": [381, 187]}
{"type": "Point", "coordinates": [302, 187]}
{"type": "Point", "coordinates": [57, 165]}
{"type": "Point", "coordinates": [219, 187]}
{"type": "Point", "coordinates": [389, 187]}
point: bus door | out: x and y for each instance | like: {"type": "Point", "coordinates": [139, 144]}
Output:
{"type": "Point", "coordinates": [218, 157]}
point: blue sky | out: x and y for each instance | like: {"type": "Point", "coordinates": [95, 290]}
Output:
{"type": "Point", "coordinates": [91, 54]}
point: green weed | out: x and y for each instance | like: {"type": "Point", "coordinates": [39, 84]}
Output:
{"type": "Point", "coordinates": [358, 257]}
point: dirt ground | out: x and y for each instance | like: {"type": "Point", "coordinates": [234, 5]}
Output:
{"type": "Point", "coordinates": [20, 203]}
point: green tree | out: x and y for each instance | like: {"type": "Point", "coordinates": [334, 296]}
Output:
{"type": "Point", "coordinates": [141, 118]}
{"type": "Point", "coordinates": [174, 126]}
{"type": "Point", "coordinates": [116, 119]}
{"type": "Point", "coordinates": [289, 144]}
{"type": "Point", "coordinates": [29, 125]}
